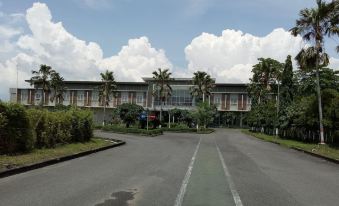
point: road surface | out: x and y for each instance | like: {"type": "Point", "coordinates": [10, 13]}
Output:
{"type": "Point", "coordinates": [222, 168]}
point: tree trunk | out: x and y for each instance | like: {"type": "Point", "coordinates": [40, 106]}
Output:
{"type": "Point", "coordinates": [321, 127]}
{"type": "Point", "coordinates": [203, 97]}
{"type": "Point", "coordinates": [161, 102]}
{"type": "Point", "coordinates": [103, 122]}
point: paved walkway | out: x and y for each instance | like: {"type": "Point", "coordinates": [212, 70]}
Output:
{"type": "Point", "coordinates": [223, 168]}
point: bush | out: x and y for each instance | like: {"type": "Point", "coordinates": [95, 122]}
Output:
{"type": "Point", "coordinates": [123, 130]}
{"type": "Point", "coordinates": [60, 127]}
{"type": "Point", "coordinates": [22, 130]}
{"type": "Point", "coordinates": [188, 130]}
{"type": "Point", "coordinates": [15, 132]}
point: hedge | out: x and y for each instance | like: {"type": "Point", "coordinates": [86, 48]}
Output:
{"type": "Point", "coordinates": [15, 131]}
{"type": "Point", "coordinates": [131, 130]}
{"type": "Point", "coordinates": [22, 130]}
{"type": "Point", "coordinates": [188, 130]}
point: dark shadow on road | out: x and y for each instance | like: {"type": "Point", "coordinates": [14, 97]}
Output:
{"type": "Point", "coordinates": [118, 199]}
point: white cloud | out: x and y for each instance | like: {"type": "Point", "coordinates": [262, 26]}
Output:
{"type": "Point", "coordinates": [49, 43]}
{"type": "Point", "coordinates": [135, 60]}
{"type": "Point", "coordinates": [334, 63]}
{"type": "Point", "coordinates": [230, 57]}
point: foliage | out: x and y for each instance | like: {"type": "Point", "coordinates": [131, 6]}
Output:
{"type": "Point", "coordinates": [123, 130]}
{"type": "Point", "coordinates": [181, 116]}
{"type": "Point", "coordinates": [265, 74]}
{"type": "Point", "coordinates": [15, 133]}
{"type": "Point", "coordinates": [58, 86]}
{"type": "Point", "coordinates": [43, 77]}
{"type": "Point", "coordinates": [204, 114]}
{"type": "Point", "coordinates": [162, 89]}
{"type": "Point", "coordinates": [128, 113]}
{"type": "Point", "coordinates": [22, 130]}
{"type": "Point", "coordinates": [188, 130]}
{"type": "Point", "coordinates": [106, 89]}
{"type": "Point", "coordinates": [203, 84]}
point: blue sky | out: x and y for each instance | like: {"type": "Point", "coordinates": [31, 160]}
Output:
{"type": "Point", "coordinates": [81, 38]}
{"type": "Point", "coordinates": [170, 25]}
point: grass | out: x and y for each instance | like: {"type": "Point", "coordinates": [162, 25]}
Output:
{"type": "Point", "coordinates": [40, 155]}
{"type": "Point", "coordinates": [323, 150]}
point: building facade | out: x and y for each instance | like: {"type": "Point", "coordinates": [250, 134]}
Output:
{"type": "Point", "coordinates": [226, 97]}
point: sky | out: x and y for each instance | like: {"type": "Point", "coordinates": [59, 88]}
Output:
{"type": "Point", "coordinates": [81, 38]}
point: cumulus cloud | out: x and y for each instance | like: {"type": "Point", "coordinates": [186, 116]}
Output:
{"type": "Point", "coordinates": [135, 60]}
{"type": "Point", "coordinates": [50, 43]}
{"type": "Point", "coordinates": [230, 57]}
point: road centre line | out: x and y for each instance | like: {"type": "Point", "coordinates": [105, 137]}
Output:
{"type": "Point", "coordinates": [184, 184]}
{"type": "Point", "coordinates": [235, 194]}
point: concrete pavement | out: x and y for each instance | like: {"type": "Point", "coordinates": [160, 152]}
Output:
{"type": "Point", "coordinates": [151, 171]}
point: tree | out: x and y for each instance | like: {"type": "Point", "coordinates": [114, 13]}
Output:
{"type": "Point", "coordinates": [129, 113]}
{"type": "Point", "coordinates": [266, 73]}
{"type": "Point", "coordinates": [162, 88]}
{"type": "Point", "coordinates": [58, 86]}
{"type": "Point", "coordinates": [107, 88]}
{"type": "Point", "coordinates": [314, 24]}
{"type": "Point", "coordinates": [203, 84]}
{"type": "Point", "coordinates": [42, 76]}
{"type": "Point", "coordinates": [204, 114]}
{"type": "Point", "coordinates": [287, 88]}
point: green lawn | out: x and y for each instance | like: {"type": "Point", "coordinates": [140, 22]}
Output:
{"type": "Point", "coordinates": [39, 155]}
{"type": "Point", "coordinates": [324, 150]}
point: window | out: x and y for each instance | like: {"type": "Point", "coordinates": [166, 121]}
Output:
{"type": "Point", "coordinates": [124, 98]}
{"type": "Point", "coordinates": [234, 100]}
{"type": "Point", "coordinates": [140, 98]}
{"type": "Point", "coordinates": [81, 97]}
{"type": "Point", "coordinates": [249, 101]}
{"type": "Point", "coordinates": [217, 100]}
{"type": "Point", "coordinates": [37, 96]}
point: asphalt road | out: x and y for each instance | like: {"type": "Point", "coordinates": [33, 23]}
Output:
{"type": "Point", "coordinates": [223, 168]}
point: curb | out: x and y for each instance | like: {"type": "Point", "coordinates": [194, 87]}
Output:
{"type": "Point", "coordinates": [336, 161]}
{"type": "Point", "coordinates": [316, 155]}
{"type": "Point", "coordinates": [27, 168]}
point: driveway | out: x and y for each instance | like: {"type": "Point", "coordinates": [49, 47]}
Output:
{"type": "Point", "coordinates": [222, 168]}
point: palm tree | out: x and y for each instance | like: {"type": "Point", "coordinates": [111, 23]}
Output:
{"type": "Point", "coordinates": [162, 87]}
{"type": "Point", "coordinates": [42, 76]}
{"type": "Point", "coordinates": [203, 84]}
{"type": "Point", "coordinates": [314, 24]}
{"type": "Point", "coordinates": [107, 87]}
{"type": "Point", "coordinates": [58, 86]}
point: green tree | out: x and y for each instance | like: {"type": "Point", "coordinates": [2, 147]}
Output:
{"type": "Point", "coordinates": [107, 87]}
{"type": "Point", "coordinates": [265, 74]}
{"type": "Point", "coordinates": [287, 89]}
{"type": "Point", "coordinates": [58, 86]}
{"type": "Point", "coordinates": [162, 88]}
{"type": "Point", "coordinates": [314, 24]}
{"type": "Point", "coordinates": [129, 113]}
{"type": "Point", "coordinates": [42, 77]}
{"type": "Point", "coordinates": [204, 114]}
{"type": "Point", "coordinates": [203, 84]}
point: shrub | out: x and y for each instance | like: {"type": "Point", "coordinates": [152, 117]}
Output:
{"type": "Point", "coordinates": [151, 132]}
{"type": "Point", "coordinates": [15, 132]}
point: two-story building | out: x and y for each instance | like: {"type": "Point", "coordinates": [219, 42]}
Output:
{"type": "Point", "coordinates": [227, 97]}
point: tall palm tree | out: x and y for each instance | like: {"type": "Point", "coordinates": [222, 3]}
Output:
{"type": "Point", "coordinates": [314, 24]}
{"type": "Point", "coordinates": [58, 86]}
{"type": "Point", "coordinates": [203, 84]}
{"type": "Point", "coordinates": [42, 76]}
{"type": "Point", "coordinates": [107, 87]}
{"type": "Point", "coordinates": [162, 88]}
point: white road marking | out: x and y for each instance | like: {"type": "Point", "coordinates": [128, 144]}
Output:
{"type": "Point", "coordinates": [184, 184]}
{"type": "Point", "coordinates": [235, 194]}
